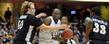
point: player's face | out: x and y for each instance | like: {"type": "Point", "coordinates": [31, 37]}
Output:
{"type": "Point", "coordinates": [32, 7]}
{"type": "Point", "coordinates": [32, 11]}
{"type": "Point", "coordinates": [64, 20]}
{"type": "Point", "coordinates": [56, 15]}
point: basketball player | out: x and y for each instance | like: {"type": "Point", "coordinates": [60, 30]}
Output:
{"type": "Point", "coordinates": [97, 28]}
{"type": "Point", "coordinates": [27, 25]}
{"type": "Point", "coordinates": [68, 34]}
{"type": "Point", "coordinates": [53, 20]}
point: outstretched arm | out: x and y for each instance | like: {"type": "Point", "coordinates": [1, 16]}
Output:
{"type": "Point", "coordinates": [46, 27]}
{"type": "Point", "coordinates": [89, 25]}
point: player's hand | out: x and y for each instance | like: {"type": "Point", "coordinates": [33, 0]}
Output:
{"type": "Point", "coordinates": [41, 15]}
{"type": "Point", "coordinates": [64, 26]}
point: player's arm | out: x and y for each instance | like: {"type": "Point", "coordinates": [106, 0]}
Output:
{"type": "Point", "coordinates": [88, 24]}
{"type": "Point", "coordinates": [38, 23]}
{"type": "Point", "coordinates": [41, 15]}
{"type": "Point", "coordinates": [46, 25]}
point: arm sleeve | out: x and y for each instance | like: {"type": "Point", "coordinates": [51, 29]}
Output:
{"type": "Point", "coordinates": [35, 21]}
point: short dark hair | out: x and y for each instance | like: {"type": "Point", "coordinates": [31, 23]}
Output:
{"type": "Point", "coordinates": [96, 10]}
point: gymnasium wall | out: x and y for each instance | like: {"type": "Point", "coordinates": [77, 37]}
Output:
{"type": "Point", "coordinates": [3, 8]}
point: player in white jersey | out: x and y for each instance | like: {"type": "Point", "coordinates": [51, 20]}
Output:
{"type": "Point", "coordinates": [53, 20]}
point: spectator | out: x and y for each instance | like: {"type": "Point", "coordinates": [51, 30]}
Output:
{"type": "Point", "coordinates": [6, 33]}
{"type": "Point", "coordinates": [8, 15]}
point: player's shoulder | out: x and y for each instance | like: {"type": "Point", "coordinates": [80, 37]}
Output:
{"type": "Point", "coordinates": [48, 18]}
{"type": "Point", "coordinates": [23, 17]}
{"type": "Point", "coordinates": [88, 20]}
{"type": "Point", "coordinates": [31, 17]}
{"type": "Point", "coordinates": [47, 21]}
{"type": "Point", "coordinates": [100, 21]}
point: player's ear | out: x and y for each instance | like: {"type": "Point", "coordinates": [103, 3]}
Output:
{"type": "Point", "coordinates": [28, 11]}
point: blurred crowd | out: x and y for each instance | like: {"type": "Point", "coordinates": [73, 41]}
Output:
{"type": "Point", "coordinates": [7, 31]}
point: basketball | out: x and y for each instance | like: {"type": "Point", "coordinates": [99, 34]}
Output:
{"type": "Point", "coordinates": [67, 34]}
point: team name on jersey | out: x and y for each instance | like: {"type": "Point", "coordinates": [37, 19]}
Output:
{"type": "Point", "coordinates": [100, 21]}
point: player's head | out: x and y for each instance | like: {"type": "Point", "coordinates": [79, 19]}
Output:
{"type": "Point", "coordinates": [32, 7]}
{"type": "Point", "coordinates": [47, 21]}
{"type": "Point", "coordinates": [96, 11]}
{"type": "Point", "coordinates": [64, 20]}
{"type": "Point", "coordinates": [24, 4]}
{"type": "Point", "coordinates": [28, 8]}
{"type": "Point", "coordinates": [56, 13]}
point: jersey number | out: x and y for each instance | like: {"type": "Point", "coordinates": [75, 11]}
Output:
{"type": "Point", "coordinates": [99, 28]}
{"type": "Point", "coordinates": [20, 24]}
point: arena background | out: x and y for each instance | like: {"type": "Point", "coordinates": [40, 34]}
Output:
{"type": "Point", "coordinates": [64, 5]}
{"type": "Point", "coordinates": [70, 8]}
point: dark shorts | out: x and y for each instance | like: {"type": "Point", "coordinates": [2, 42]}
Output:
{"type": "Point", "coordinates": [98, 42]}
{"type": "Point", "coordinates": [21, 42]}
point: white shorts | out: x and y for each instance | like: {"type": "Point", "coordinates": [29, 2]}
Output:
{"type": "Point", "coordinates": [49, 42]}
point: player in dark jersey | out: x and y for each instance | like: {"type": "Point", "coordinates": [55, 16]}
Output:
{"type": "Point", "coordinates": [27, 25]}
{"type": "Point", "coordinates": [97, 28]}
{"type": "Point", "coordinates": [25, 30]}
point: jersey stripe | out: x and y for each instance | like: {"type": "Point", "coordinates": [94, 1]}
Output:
{"type": "Point", "coordinates": [28, 36]}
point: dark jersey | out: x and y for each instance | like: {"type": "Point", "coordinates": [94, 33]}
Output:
{"type": "Point", "coordinates": [100, 29]}
{"type": "Point", "coordinates": [26, 27]}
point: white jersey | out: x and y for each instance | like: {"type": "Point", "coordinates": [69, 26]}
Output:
{"type": "Point", "coordinates": [53, 22]}
{"type": "Point", "coordinates": [54, 32]}
{"type": "Point", "coordinates": [45, 37]}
